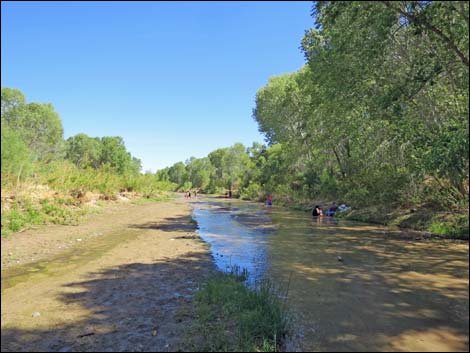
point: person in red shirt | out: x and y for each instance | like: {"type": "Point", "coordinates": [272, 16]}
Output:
{"type": "Point", "coordinates": [269, 200]}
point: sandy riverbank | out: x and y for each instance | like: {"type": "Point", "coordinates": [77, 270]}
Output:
{"type": "Point", "coordinates": [127, 285]}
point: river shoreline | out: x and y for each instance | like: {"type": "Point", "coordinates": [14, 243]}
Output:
{"type": "Point", "coordinates": [132, 286]}
{"type": "Point", "coordinates": [354, 286]}
{"type": "Point", "coordinates": [133, 295]}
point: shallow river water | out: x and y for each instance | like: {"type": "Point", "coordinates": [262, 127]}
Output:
{"type": "Point", "coordinates": [350, 286]}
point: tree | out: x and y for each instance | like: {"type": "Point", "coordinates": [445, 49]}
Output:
{"type": "Point", "coordinates": [230, 165]}
{"type": "Point", "coordinates": [177, 173]}
{"type": "Point", "coordinates": [12, 101]}
{"type": "Point", "coordinates": [38, 124]}
{"type": "Point", "coordinates": [199, 171]}
{"type": "Point", "coordinates": [16, 158]}
{"type": "Point", "coordinates": [114, 154]}
{"type": "Point", "coordinates": [84, 151]}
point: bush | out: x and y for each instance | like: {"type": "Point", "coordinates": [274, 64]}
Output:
{"type": "Point", "coordinates": [357, 196]}
{"type": "Point", "coordinates": [252, 192]}
{"type": "Point", "coordinates": [454, 227]}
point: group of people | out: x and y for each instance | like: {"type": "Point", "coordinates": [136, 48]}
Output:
{"type": "Point", "coordinates": [187, 194]}
{"type": "Point", "coordinates": [318, 211]}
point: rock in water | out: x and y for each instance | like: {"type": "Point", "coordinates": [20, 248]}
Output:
{"type": "Point", "coordinates": [340, 258]}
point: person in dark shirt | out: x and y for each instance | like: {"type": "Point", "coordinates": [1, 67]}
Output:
{"type": "Point", "coordinates": [332, 210]}
{"type": "Point", "coordinates": [317, 211]}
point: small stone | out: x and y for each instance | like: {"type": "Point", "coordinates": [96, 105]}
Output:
{"type": "Point", "coordinates": [79, 239]}
{"type": "Point", "coordinates": [36, 314]}
{"type": "Point", "coordinates": [340, 258]}
{"type": "Point", "coordinates": [154, 332]}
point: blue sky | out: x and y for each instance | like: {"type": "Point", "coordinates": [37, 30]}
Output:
{"type": "Point", "coordinates": [174, 79]}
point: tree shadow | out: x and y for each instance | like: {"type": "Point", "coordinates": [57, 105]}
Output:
{"type": "Point", "coordinates": [183, 224]}
{"type": "Point", "coordinates": [364, 290]}
{"type": "Point", "coordinates": [135, 307]}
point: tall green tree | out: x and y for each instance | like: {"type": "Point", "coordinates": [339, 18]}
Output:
{"type": "Point", "coordinates": [114, 154]}
{"type": "Point", "coordinates": [38, 124]}
{"type": "Point", "coordinates": [83, 151]}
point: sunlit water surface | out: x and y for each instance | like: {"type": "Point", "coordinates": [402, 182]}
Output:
{"type": "Point", "coordinates": [350, 286]}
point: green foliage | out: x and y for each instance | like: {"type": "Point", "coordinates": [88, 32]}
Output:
{"type": "Point", "coordinates": [199, 172]}
{"type": "Point", "coordinates": [83, 151]}
{"type": "Point", "coordinates": [12, 102]}
{"type": "Point", "coordinates": [454, 226]}
{"type": "Point", "coordinates": [177, 173]}
{"type": "Point", "coordinates": [57, 214]}
{"type": "Point", "coordinates": [24, 214]}
{"type": "Point", "coordinates": [232, 317]}
{"type": "Point", "coordinates": [16, 159]}
{"type": "Point", "coordinates": [36, 124]}
{"type": "Point", "coordinates": [377, 118]}
{"type": "Point", "coordinates": [147, 185]}
{"type": "Point", "coordinates": [252, 192]}
{"type": "Point", "coordinates": [114, 154]}
{"type": "Point", "coordinates": [186, 186]}
{"type": "Point", "coordinates": [230, 166]}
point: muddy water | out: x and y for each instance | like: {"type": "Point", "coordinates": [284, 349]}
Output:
{"type": "Point", "coordinates": [350, 286]}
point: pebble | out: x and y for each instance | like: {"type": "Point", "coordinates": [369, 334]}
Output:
{"type": "Point", "coordinates": [79, 239]}
{"type": "Point", "coordinates": [340, 258]}
{"type": "Point", "coordinates": [36, 314]}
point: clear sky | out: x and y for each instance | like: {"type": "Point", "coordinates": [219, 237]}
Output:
{"type": "Point", "coordinates": [174, 79]}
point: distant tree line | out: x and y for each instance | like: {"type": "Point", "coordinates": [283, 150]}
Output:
{"type": "Point", "coordinates": [32, 135]}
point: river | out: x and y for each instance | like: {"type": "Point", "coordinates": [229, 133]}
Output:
{"type": "Point", "coordinates": [350, 286]}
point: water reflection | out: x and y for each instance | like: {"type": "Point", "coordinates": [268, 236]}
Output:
{"type": "Point", "coordinates": [235, 239]}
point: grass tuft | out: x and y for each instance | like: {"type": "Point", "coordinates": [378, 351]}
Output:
{"type": "Point", "coordinates": [233, 317]}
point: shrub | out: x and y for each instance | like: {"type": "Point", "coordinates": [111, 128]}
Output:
{"type": "Point", "coordinates": [252, 192]}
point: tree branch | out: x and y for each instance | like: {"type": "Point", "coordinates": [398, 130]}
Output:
{"type": "Point", "coordinates": [431, 27]}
